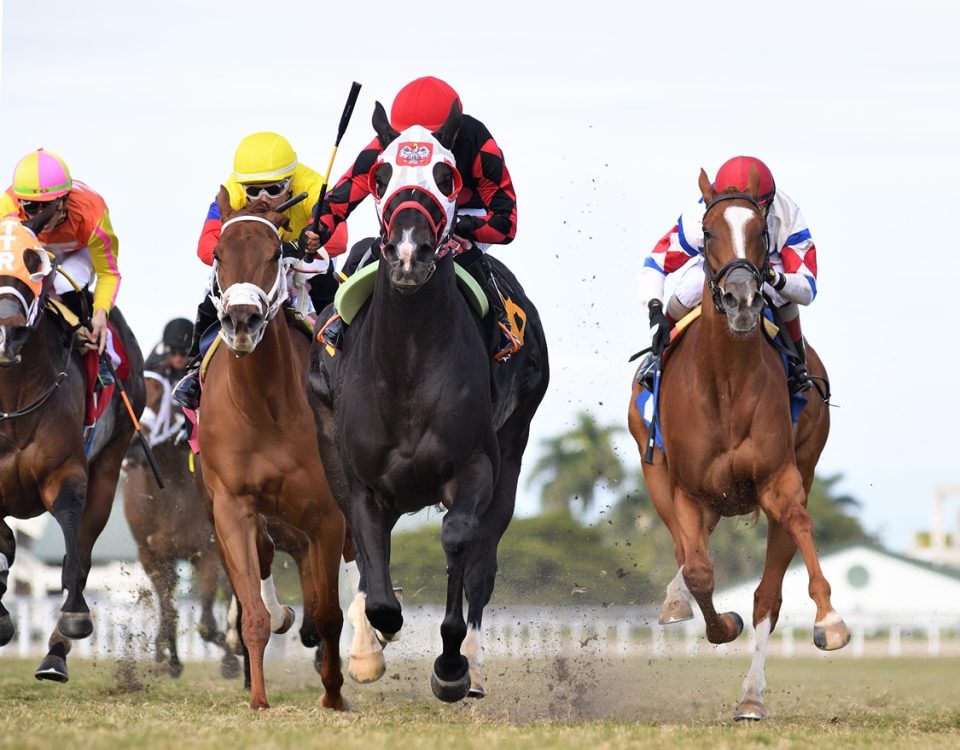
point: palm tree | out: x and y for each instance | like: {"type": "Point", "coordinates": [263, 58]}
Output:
{"type": "Point", "coordinates": [574, 463]}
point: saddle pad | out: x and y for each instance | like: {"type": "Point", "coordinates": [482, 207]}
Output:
{"type": "Point", "coordinates": [355, 291]}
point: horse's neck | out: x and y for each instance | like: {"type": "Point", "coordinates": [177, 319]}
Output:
{"type": "Point", "coordinates": [428, 322]}
{"type": "Point", "coordinates": [273, 371]}
{"type": "Point", "coordinates": [729, 364]}
{"type": "Point", "coordinates": [41, 358]}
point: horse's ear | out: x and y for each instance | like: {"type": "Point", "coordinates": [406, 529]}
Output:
{"type": "Point", "coordinates": [223, 203]}
{"type": "Point", "coordinates": [32, 260]}
{"type": "Point", "coordinates": [382, 126]}
{"type": "Point", "coordinates": [706, 189]}
{"type": "Point", "coordinates": [753, 182]}
{"type": "Point", "coordinates": [279, 220]}
{"type": "Point", "coordinates": [451, 126]}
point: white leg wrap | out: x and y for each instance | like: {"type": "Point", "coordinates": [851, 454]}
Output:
{"type": "Point", "coordinates": [755, 683]}
{"type": "Point", "coordinates": [366, 653]}
{"type": "Point", "coordinates": [353, 576]}
{"type": "Point", "coordinates": [269, 595]}
{"type": "Point", "coordinates": [472, 649]}
{"type": "Point", "coordinates": [233, 629]}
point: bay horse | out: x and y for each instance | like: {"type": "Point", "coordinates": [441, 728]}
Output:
{"type": "Point", "coordinates": [45, 463]}
{"type": "Point", "coordinates": [410, 415]}
{"type": "Point", "coordinates": [172, 524]}
{"type": "Point", "coordinates": [259, 448]}
{"type": "Point", "coordinates": [729, 446]}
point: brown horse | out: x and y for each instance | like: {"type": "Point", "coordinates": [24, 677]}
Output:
{"type": "Point", "coordinates": [259, 446]}
{"type": "Point", "coordinates": [172, 524]}
{"type": "Point", "coordinates": [729, 445]}
{"type": "Point", "coordinates": [45, 464]}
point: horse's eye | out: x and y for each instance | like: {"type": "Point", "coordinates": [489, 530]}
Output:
{"type": "Point", "coordinates": [707, 235]}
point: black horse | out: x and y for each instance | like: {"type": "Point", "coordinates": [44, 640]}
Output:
{"type": "Point", "coordinates": [413, 412]}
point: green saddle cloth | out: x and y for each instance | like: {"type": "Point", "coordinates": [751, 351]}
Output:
{"type": "Point", "coordinates": [356, 290]}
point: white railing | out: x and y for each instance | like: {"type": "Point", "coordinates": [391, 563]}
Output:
{"type": "Point", "coordinates": [129, 631]}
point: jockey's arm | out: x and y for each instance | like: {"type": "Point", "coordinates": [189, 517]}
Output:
{"type": "Point", "coordinates": [349, 192]}
{"type": "Point", "coordinates": [104, 250]}
{"type": "Point", "coordinates": [496, 191]}
{"type": "Point", "coordinates": [797, 262]}
{"type": "Point", "coordinates": [670, 254]}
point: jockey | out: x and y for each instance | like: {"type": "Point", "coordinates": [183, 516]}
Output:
{"type": "Point", "coordinates": [72, 221]}
{"type": "Point", "coordinates": [791, 276]}
{"type": "Point", "coordinates": [265, 171]}
{"type": "Point", "coordinates": [169, 357]}
{"type": "Point", "coordinates": [486, 206]}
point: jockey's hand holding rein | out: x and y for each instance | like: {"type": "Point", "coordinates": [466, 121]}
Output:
{"type": "Point", "coordinates": [97, 333]}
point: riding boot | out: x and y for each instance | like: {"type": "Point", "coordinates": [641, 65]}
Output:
{"type": "Point", "coordinates": [323, 288]}
{"type": "Point", "coordinates": [332, 332]}
{"type": "Point", "coordinates": [799, 379]}
{"type": "Point", "coordinates": [474, 262]}
{"type": "Point", "coordinates": [187, 391]}
{"type": "Point", "coordinates": [647, 370]}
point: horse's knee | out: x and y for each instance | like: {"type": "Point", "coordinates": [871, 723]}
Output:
{"type": "Point", "coordinates": [458, 531]}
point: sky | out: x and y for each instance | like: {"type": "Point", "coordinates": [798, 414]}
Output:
{"type": "Point", "coordinates": [605, 112]}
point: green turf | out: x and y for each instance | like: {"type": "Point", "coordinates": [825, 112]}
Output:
{"type": "Point", "coordinates": [536, 703]}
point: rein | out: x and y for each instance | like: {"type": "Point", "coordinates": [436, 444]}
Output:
{"type": "Point", "coordinates": [715, 280]}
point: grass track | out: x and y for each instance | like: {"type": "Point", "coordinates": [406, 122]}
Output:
{"type": "Point", "coordinates": [537, 704]}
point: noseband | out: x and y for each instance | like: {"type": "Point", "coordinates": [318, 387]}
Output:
{"type": "Point", "coordinates": [245, 292]}
{"type": "Point", "coordinates": [715, 280]}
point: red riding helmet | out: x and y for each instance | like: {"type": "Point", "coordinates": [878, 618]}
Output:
{"type": "Point", "coordinates": [425, 101]}
{"type": "Point", "coordinates": [735, 173]}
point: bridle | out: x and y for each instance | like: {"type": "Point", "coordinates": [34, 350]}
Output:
{"type": "Point", "coordinates": [247, 293]}
{"type": "Point", "coordinates": [715, 279]}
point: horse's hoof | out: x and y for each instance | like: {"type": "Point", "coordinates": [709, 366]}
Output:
{"type": "Point", "coordinates": [675, 610]}
{"type": "Point", "coordinates": [289, 617]}
{"type": "Point", "coordinates": [53, 668]}
{"type": "Point", "coordinates": [737, 621]}
{"type": "Point", "coordinates": [750, 711]}
{"type": "Point", "coordinates": [259, 705]}
{"type": "Point", "coordinates": [831, 633]}
{"type": "Point", "coordinates": [229, 666]}
{"type": "Point", "coordinates": [175, 668]}
{"type": "Point", "coordinates": [6, 630]}
{"type": "Point", "coordinates": [451, 691]}
{"type": "Point", "coordinates": [335, 703]}
{"type": "Point", "coordinates": [367, 668]}
{"type": "Point", "coordinates": [476, 691]}
{"type": "Point", "coordinates": [75, 625]}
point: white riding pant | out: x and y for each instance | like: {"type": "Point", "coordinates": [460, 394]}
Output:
{"type": "Point", "coordinates": [79, 267]}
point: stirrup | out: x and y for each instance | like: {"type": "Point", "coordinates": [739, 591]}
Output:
{"type": "Point", "coordinates": [511, 347]}
{"type": "Point", "coordinates": [646, 371]}
{"type": "Point", "coordinates": [187, 391]}
{"type": "Point", "coordinates": [103, 373]}
{"type": "Point", "coordinates": [332, 332]}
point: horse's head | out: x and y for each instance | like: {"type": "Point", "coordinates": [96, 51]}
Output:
{"type": "Point", "coordinates": [250, 273]}
{"type": "Point", "coordinates": [24, 281]}
{"type": "Point", "coordinates": [415, 183]}
{"type": "Point", "coordinates": [735, 246]}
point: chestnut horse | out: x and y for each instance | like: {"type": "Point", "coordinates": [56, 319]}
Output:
{"type": "Point", "coordinates": [259, 446]}
{"type": "Point", "coordinates": [729, 445]}
{"type": "Point", "coordinates": [410, 415]}
{"type": "Point", "coordinates": [45, 463]}
{"type": "Point", "coordinates": [172, 524]}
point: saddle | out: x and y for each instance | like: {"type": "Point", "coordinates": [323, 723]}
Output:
{"type": "Point", "coordinates": [98, 397]}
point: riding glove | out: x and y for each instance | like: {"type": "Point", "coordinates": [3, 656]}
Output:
{"type": "Point", "coordinates": [661, 336]}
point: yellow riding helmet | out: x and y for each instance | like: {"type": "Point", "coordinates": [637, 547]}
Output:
{"type": "Point", "coordinates": [263, 157]}
{"type": "Point", "coordinates": [41, 176]}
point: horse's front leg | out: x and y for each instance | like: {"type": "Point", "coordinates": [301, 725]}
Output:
{"type": "Point", "coordinates": [784, 500]}
{"type": "Point", "coordinates": [471, 488]}
{"type": "Point", "coordinates": [65, 495]}
{"type": "Point", "coordinates": [375, 606]}
{"type": "Point", "coordinates": [766, 611]}
{"type": "Point", "coordinates": [696, 524]}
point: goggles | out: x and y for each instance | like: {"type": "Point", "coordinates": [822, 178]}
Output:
{"type": "Point", "coordinates": [267, 190]}
{"type": "Point", "coordinates": [32, 208]}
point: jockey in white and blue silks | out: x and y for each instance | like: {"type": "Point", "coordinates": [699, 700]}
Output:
{"type": "Point", "coordinates": [791, 279]}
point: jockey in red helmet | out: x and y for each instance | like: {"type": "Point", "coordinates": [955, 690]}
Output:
{"type": "Point", "coordinates": [791, 278]}
{"type": "Point", "coordinates": [486, 205]}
